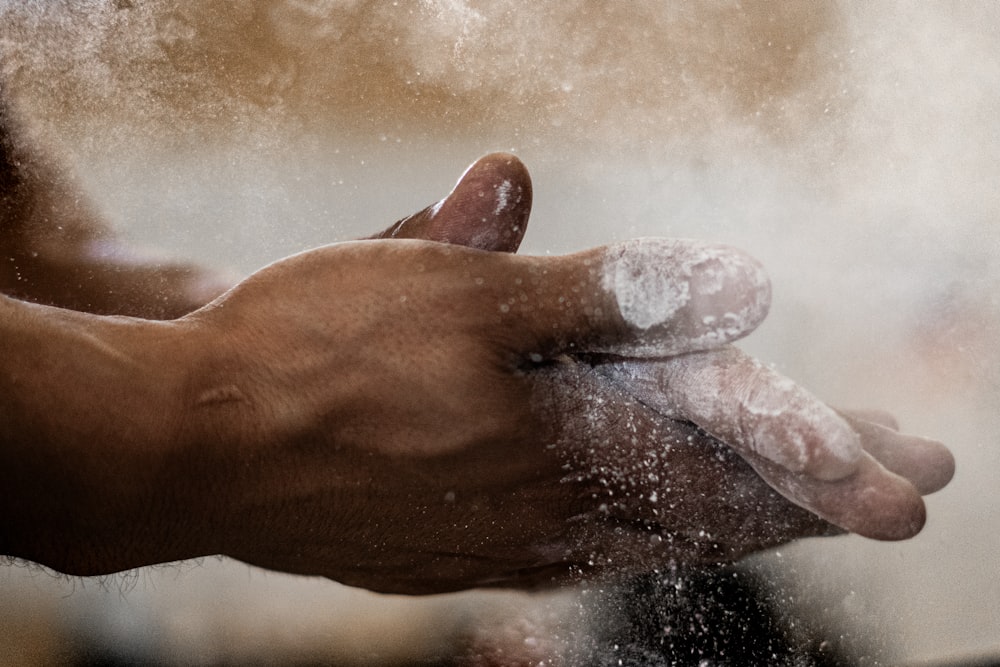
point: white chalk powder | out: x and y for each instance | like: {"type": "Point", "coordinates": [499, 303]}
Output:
{"type": "Point", "coordinates": [648, 286]}
{"type": "Point", "coordinates": [746, 404]}
{"type": "Point", "coordinates": [684, 295]}
{"type": "Point", "coordinates": [503, 193]}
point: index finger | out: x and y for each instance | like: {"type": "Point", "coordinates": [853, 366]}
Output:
{"type": "Point", "coordinates": [747, 405]}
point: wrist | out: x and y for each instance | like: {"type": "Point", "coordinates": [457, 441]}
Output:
{"type": "Point", "coordinates": [91, 408]}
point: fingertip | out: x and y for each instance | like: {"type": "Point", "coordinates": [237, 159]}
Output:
{"type": "Point", "coordinates": [789, 426]}
{"type": "Point", "coordinates": [502, 164]}
{"type": "Point", "coordinates": [879, 504]}
{"type": "Point", "coordinates": [944, 469]}
{"type": "Point", "coordinates": [754, 408]}
{"type": "Point", "coordinates": [488, 207]}
{"type": "Point", "coordinates": [900, 519]}
{"type": "Point", "coordinates": [684, 296]}
{"type": "Point", "coordinates": [729, 281]}
{"type": "Point", "coordinates": [872, 502]}
{"type": "Point", "coordinates": [928, 464]}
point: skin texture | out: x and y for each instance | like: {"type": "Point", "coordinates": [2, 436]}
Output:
{"type": "Point", "coordinates": [409, 414]}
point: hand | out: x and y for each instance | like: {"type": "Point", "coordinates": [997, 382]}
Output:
{"type": "Point", "coordinates": [617, 487]}
{"type": "Point", "coordinates": [791, 438]}
{"type": "Point", "coordinates": [368, 411]}
{"type": "Point", "coordinates": [788, 436]}
{"type": "Point", "coordinates": [622, 484]}
{"type": "Point", "coordinates": [385, 445]}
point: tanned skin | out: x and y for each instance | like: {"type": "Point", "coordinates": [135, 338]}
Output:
{"type": "Point", "coordinates": [420, 412]}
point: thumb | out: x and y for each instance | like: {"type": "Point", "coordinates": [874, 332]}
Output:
{"type": "Point", "coordinates": [640, 298]}
{"type": "Point", "coordinates": [488, 208]}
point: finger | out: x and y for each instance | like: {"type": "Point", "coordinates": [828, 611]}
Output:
{"type": "Point", "coordinates": [748, 405]}
{"type": "Point", "coordinates": [927, 464]}
{"type": "Point", "coordinates": [641, 298]}
{"type": "Point", "coordinates": [872, 502]}
{"type": "Point", "coordinates": [654, 481]}
{"type": "Point", "coordinates": [771, 422]}
{"type": "Point", "coordinates": [488, 208]}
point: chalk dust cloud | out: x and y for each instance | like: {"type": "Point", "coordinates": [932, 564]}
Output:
{"type": "Point", "coordinates": [436, 66]}
{"type": "Point", "coordinates": [853, 147]}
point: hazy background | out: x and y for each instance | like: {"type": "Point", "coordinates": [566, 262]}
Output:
{"type": "Point", "coordinates": [853, 147]}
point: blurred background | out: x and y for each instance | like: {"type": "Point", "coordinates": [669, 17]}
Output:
{"type": "Point", "coordinates": [853, 147]}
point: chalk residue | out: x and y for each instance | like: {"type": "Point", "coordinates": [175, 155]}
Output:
{"type": "Point", "coordinates": [649, 289]}
{"type": "Point", "coordinates": [449, 64]}
{"type": "Point", "coordinates": [684, 295]}
{"type": "Point", "coordinates": [503, 197]}
{"type": "Point", "coordinates": [747, 405]}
